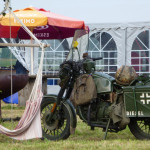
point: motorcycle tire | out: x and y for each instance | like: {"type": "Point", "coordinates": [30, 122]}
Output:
{"type": "Point", "coordinates": [59, 126]}
{"type": "Point", "coordinates": [140, 127]}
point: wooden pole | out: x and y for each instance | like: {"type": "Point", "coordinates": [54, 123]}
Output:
{"type": "Point", "coordinates": [22, 45]}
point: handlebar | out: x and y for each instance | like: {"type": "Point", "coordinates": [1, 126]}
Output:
{"type": "Point", "coordinates": [98, 58]}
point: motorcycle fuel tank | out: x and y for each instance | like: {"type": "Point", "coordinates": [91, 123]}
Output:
{"type": "Point", "coordinates": [103, 82]}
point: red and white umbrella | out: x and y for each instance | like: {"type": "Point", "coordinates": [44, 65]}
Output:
{"type": "Point", "coordinates": [44, 24]}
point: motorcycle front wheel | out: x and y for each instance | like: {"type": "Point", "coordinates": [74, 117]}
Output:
{"type": "Point", "coordinates": [140, 128]}
{"type": "Point", "coordinates": [58, 127]}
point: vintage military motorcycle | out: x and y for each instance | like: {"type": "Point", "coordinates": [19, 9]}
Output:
{"type": "Point", "coordinates": [115, 105]}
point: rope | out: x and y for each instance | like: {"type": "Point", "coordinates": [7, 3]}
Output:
{"type": "Point", "coordinates": [5, 8]}
{"type": "Point", "coordinates": [11, 73]}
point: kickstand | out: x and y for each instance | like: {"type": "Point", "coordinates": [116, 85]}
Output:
{"type": "Point", "coordinates": [105, 135]}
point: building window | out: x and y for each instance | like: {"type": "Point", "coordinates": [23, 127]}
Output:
{"type": "Point", "coordinates": [54, 56]}
{"type": "Point", "coordinates": [101, 44]}
{"type": "Point", "coordinates": [140, 54]}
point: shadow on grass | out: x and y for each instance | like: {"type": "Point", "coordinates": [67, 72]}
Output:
{"type": "Point", "coordinates": [97, 134]}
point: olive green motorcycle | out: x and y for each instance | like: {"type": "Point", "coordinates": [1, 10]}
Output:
{"type": "Point", "coordinates": [117, 102]}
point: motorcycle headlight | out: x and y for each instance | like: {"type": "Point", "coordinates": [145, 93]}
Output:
{"type": "Point", "coordinates": [64, 74]}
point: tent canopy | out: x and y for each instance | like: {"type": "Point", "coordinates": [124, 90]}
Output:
{"type": "Point", "coordinates": [131, 45]}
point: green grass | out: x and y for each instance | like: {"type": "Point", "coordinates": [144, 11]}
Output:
{"type": "Point", "coordinates": [83, 139]}
{"type": "Point", "coordinates": [14, 107]}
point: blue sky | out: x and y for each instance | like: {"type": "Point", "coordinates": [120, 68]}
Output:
{"type": "Point", "coordinates": [93, 11]}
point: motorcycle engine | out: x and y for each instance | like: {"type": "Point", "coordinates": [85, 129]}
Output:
{"type": "Point", "coordinates": [103, 110]}
{"type": "Point", "coordinates": [95, 111]}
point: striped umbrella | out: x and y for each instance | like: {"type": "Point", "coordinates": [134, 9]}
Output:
{"type": "Point", "coordinates": [44, 24]}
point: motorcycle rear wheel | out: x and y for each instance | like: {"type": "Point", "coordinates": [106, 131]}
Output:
{"type": "Point", "coordinates": [140, 128]}
{"type": "Point", "coordinates": [59, 126]}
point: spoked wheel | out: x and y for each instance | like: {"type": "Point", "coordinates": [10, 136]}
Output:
{"type": "Point", "coordinates": [140, 127]}
{"type": "Point", "coordinates": [58, 127]}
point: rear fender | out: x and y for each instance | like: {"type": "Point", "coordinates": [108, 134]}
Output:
{"type": "Point", "coordinates": [71, 110]}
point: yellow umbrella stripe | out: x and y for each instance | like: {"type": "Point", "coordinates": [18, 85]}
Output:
{"type": "Point", "coordinates": [30, 18]}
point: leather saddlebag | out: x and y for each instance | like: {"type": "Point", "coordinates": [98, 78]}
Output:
{"type": "Point", "coordinates": [84, 90]}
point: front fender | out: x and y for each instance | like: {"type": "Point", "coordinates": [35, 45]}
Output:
{"type": "Point", "coordinates": [71, 110]}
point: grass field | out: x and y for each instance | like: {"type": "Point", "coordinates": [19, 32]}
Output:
{"type": "Point", "coordinates": [83, 139]}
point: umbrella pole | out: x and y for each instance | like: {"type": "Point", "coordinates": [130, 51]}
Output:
{"type": "Point", "coordinates": [32, 54]}
{"type": "Point", "coordinates": [31, 57]}
{"type": "Point", "coordinates": [0, 110]}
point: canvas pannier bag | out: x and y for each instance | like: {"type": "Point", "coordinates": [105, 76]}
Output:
{"type": "Point", "coordinates": [84, 90]}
